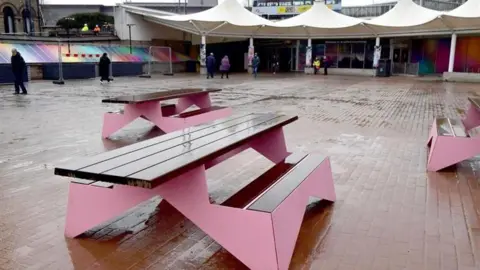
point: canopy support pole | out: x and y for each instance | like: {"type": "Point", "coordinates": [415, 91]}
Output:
{"type": "Point", "coordinates": [297, 54]}
{"type": "Point", "coordinates": [203, 48]}
{"type": "Point", "coordinates": [251, 52]}
{"type": "Point", "coordinates": [200, 32]}
{"type": "Point", "coordinates": [445, 23]}
{"type": "Point", "coordinates": [369, 29]}
{"type": "Point", "coordinates": [251, 49]}
{"type": "Point", "coordinates": [453, 45]}
{"type": "Point", "coordinates": [215, 28]}
{"type": "Point", "coordinates": [203, 55]}
{"type": "Point", "coordinates": [308, 54]}
{"type": "Point", "coordinates": [308, 58]}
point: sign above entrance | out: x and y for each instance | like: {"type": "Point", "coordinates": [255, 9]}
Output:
{"type": "Point", "coordinates": [283, 10]}
{"type": "Point", "coordinates": [287, 7]}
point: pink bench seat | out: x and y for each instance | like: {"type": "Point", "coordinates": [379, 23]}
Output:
{"type": "Point", "coordinates": [449, 144]}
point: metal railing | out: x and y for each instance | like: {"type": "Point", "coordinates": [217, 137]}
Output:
{"type": "Point", "coordinates": [405, 68]}
{"type": "Point", "coordinates": [156, 66]}
{"type": "Point", "coordinates": [62, 33]}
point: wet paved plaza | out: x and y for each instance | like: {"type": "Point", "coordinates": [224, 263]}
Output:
{"type": "Point", "coordinates": [389, 214]}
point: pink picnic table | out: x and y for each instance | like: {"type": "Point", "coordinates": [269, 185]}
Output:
{"type": "Point", "coordinates": [472, 119]}
{"type": "Point", "coordinates": [261, 231]}
{"type": "Point", "coordinates": [167, 117]}
{"type": "Point", "coordinates": [449, 140]}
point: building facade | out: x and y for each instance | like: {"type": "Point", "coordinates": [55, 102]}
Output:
{"type": "Point", "coordinates": [282, 9]}
{"type": "Point", "coordinates": [18, 17]}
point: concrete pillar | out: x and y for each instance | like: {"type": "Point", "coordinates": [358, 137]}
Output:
{"type": "Point", "coordinates": [308, 58]}
{"type": "Point", "coordinates": [297, 54]}
{"type": "Point", "coordinates": [203, 55]}
{"type": "Point", "coordinates": [451, 59]}
{"type": "Point", "coordinates": [251, 53]}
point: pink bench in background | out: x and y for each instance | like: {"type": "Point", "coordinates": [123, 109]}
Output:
{"type": "Point", "coordinates": [260, 231]}
{"type": "Point", "coordinates": [449, 139]}
{"type": "Point", "coordinates": [472, 118]}
{"type": "Point", "coordinates": [167, 117]}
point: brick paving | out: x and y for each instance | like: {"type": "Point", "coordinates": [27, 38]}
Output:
{"type": "Point", "coordinates": [390, 213]}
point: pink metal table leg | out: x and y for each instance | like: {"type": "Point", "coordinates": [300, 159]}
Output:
{"type": "Point", "coordinates": [113, 121]}
{"type": "Point", "coordinates": [202, 101]}
{"type": "Point", "coordinates": [472, 119]}
{"type": "Point", "coordinates": [246, 234]}
{"type": "Point", "coordinates": [271, 145]}
{"type": "Point", "coordinates": [260, 240]}
{"type": "Point", "coordinates": [151, 111]}
{"type": "Point", "coordinates": [288, 217]}
{"type": "Point", "coordinates": [448, 150]}
{"type": "Point", "coordinates": [89, 206]}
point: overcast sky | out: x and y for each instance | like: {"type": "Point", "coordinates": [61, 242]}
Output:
{"type": "Point", "coordinates": [112, 2]}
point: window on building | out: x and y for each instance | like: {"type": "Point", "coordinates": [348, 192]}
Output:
{"type": "Point", "coordinates": [331, 51]}
{"type": "Point", "coordinates": [9, 20]}
{"type": "Point", "coordinates": [27, 21]}
{"type": "Point", "coordinates": [370, 48]}
{"type": "Point", "coordinates": [358, 55]}
{"type": "Point", "coordinates": [344, 55]}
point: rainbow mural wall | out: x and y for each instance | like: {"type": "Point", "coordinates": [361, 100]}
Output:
{"type": "Point", "coordinates": [48, 53]}
{"type": "Point", "coordinates": [433, 55]}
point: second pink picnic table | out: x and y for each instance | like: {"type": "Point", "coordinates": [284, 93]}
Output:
{"type": "Point", "coordinates": [167, 117]}
{"type": "Point", "coordinates": [472, 119]}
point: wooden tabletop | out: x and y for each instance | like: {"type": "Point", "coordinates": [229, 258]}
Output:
{"type": "Point", "coordinates": [475, 102]}
{"type": "Point", "coordinates": [152, 162]}
{"type": "Point", "coordinates": [158, 96]}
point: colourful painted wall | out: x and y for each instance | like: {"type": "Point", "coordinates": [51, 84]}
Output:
{"type": "Point", "coordinates": [433, 55]}
{"type": "Point", "coordinates": [467, 55]}
{"type": "Point", "coordinates": [48, 53]}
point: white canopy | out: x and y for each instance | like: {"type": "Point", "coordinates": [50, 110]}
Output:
{"type": "Point", "coordinates": [228, 19]}
{"type": "Point", "coordinates": [408, 18]}
{"type": "Point", "coordinates": [318, 21]}
{"type": "Point", "coordinates": [231, 19]}
{"type": "Point", "coordinates": [464, 17]}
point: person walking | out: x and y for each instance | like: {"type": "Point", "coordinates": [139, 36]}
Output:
{"type": "Point", "coordinates": [255, 64]}
{"type": "Point", "coordinates": [275, 63]}
{"type": "Point", "coordinates": [225, 66]}
{"type": "Point", "coordinates": [104, 68]}
{"type": "Point", "coordinates": [210, 62]}
{"type": "Point", "coordinates": [326, 63]}
{"type": "Point", "coordinates": [18, 69]}
{"type": "Point", "coordinates": [316, 65]}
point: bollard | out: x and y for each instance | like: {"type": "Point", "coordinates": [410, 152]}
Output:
{"type": "Point", "coordinates": [60, 66]}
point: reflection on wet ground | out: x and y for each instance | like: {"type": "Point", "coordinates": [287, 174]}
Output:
{"type": "Point", "coordinates": [390, 213]}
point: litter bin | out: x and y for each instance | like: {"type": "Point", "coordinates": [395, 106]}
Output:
{"type": "Point", "coordinates": [384, 68]}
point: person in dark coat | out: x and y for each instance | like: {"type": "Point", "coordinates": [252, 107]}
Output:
{"type": "Point", "coordinates": [104, 68]}
{"type": "Point", "coordinates": [326, 64]}
{"type": "Point", "coordinates": [210, 62]}
{"type": "Point", "coordinates": [18, 69]}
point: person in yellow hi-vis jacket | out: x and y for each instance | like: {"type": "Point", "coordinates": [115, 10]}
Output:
{"type": "Point", "coordinates": [85, 28]}
{"type": "Point", "coordinates": [316, 65]}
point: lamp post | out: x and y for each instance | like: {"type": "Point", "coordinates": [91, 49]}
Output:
{"type": "Point", "coordinates": [69, 19]}
{"type": "Point", "coordinates": [130, 34]}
